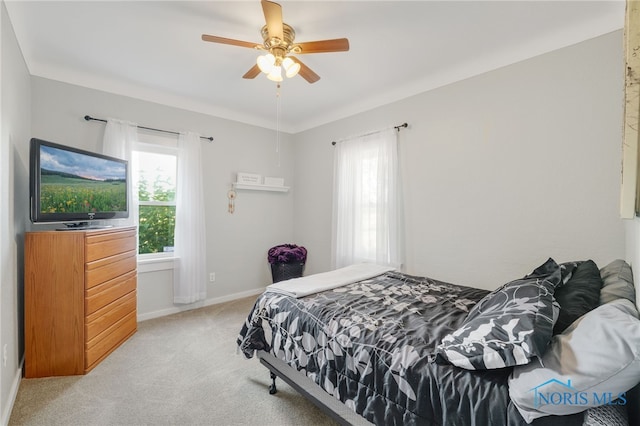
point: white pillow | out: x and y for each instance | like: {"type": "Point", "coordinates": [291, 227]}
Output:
{"type": "Point", "coordinates": [593, 362]}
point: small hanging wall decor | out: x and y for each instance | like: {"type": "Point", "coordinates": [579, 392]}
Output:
{"type": "Point", "coordinates": [232, 197]}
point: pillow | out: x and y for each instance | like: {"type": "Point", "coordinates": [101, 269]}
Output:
{"type": "Point", "coordinates": [618, 282]}
{"type": "Point", "coordinates": [579, 295]}
{"type": "Point", "coordinates": [566, 270]}
{"type": "Point", "coordinates": [594, 362]}
{"type": "Point", "coordinates": [508, 326]}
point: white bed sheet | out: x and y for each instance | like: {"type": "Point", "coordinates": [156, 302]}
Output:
{"type": "Point", "coordinates": [299, 287]}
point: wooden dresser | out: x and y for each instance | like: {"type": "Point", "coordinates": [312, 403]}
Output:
{"type": "Point", "coordinates": [79, 298]}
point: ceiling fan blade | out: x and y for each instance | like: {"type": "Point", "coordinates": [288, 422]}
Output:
{"type": "Point", "coordinates": [233, 42]}
{"type": "Point", "coordinates": [252, 73]}
{"type": "Point", "coordinates": [307, 73]}
{"type": "Point", "coordinates": [273, 17]}
{"type": "Point", "coordinates": [323, 46]}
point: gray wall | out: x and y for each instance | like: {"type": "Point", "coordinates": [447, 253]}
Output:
{"type": "Point", "coordinates": [237, 243]}
{"type": "Point", "coordinates": [14, 190]}
{"type": "Point", "coordinates": [501, 171]}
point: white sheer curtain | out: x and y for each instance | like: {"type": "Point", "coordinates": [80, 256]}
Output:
{"type": "Point", "coordinates": [118, 141]}
{"type": "Point", "coordinates": [367, 215]}
{"type": "Point", "coordinates": [190, 284]}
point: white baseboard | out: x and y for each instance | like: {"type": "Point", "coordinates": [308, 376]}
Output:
{"type": "Point", "coordinates": [201, 304]}
{"type": "Point", "coordinates": [13, 393]}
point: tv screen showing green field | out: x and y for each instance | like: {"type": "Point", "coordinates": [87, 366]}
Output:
{"type": "Point", "coordinates": [72, 182]}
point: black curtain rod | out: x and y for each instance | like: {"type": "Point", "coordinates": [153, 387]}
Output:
{"type": "Point", "coordinates": [89, 118]}
{"type": "Point", "coordinates": [403, 125]}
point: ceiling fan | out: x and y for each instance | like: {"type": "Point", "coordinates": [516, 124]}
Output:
{"type": "Point", "coordinates": [278, 42]}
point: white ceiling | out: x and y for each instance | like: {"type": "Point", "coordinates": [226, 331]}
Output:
{"type": "Point", "coordinates": [152, 50]}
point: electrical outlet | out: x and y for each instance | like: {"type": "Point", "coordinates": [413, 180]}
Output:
{"type": "Point", "coordinates": [212, 277]}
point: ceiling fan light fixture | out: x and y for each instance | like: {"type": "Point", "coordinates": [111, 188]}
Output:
{"type": "Point", "coordinates": [266, 63]}
{"type": "Point", "coordinates": [275, 74]}
{"type": "Point", "coordinates": [291, 68]}
{"type": "Point", "coordinates": [278, 41]}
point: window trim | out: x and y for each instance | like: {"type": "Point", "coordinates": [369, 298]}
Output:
{"type": "Point", "coordinates": [157, 203]}
{"type": "Point", "coordinates": [152, 262]}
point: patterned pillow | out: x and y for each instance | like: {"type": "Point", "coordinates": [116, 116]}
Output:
{"type": "Point", "coordinates": [509, 326]}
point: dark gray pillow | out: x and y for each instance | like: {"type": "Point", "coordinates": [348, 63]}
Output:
{"type": "Point", "coordinates": [579, 295]}
{"type": "Point", "coordinates": [509, 326]}
{"type": "Point", "coordinates": [617, 282]}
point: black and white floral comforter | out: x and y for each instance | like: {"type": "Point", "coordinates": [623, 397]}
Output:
{"type": "Point", "coordinates": [371, 344]}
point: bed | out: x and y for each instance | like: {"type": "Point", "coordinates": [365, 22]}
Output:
{"type": "Point", "coordinates": [371, 345]}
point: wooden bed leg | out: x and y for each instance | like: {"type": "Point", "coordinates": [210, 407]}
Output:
{"type": "Point", "coordinates": [272, 387]}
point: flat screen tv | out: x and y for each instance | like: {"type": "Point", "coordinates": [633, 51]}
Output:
{"type": "Point", "coordinates": [75, 187]}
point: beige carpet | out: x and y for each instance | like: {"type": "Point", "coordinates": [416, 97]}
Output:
{"type": "Point", "coordinates": [181, 369]}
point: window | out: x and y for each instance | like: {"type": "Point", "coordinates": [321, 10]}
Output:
{"type": "Point", "coordinates": [167, 215]}
{"type": "Point", "coordinates": [154, 172]}
{"type": "Point", "coordinates": [367, 206]}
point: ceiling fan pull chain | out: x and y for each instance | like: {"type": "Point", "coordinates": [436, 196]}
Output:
{"type": "Point", "coordinates": [278, 121]}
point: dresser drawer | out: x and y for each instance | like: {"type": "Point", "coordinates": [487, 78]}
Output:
{"type": "Point", "coordinates": [108, 315]}
{"type": "Point", "coordinates": [104, 245]}
{"type": "Point", "coordinates": [101, 295]}
{"type": "Point", "coordinates": [108, 268]}
{"type": "Point", "coordinates": [107, 341]}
